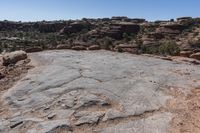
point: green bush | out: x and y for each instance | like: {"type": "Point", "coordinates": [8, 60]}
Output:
{"type": "Point", "coordinates": [149, 49]}
{"type": "Point", "coordinates": [107, 43]}
{"type": "Point", "coordinates": [169, 48]}
{"type": "Point", "coordinates": [126, 36]}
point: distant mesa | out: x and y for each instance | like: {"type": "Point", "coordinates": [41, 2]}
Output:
{"type": "Point", "coordinates": [161, 37]}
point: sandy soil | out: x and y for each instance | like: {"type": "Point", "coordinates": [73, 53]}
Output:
{"type": "Point", "coordinates": [186, 111]}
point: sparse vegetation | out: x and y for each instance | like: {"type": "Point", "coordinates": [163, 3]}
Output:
{"type": "Point", "coordinates": [169, 48]}
{"type": "Point", "coordinates": [105, 33]}
{"type": "Point", "coordinates": [149, 49]}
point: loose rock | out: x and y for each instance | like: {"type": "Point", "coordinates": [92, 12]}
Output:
{"type": "Point", "coordinates": [14, 57]}
{"type": "Point", "coordinates": [195, 56]}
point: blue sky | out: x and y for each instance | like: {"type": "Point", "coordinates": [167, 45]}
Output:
{"type": "Point", "coordinates": [35, 10]}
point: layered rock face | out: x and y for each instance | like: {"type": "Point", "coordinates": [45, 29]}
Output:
{"type": "Point", "coordinates": [159, 37]}
{"type": "Point", "coordinates": [51, 27]}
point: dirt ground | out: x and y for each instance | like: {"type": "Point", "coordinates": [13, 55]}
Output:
{"type": "Point", "coordinates": [13, 73]}
{"type": "Point", "coordinates": [186, 111]}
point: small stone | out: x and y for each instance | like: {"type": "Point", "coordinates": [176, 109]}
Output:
{"type": "Point", "coordinates": [63, 105]}
{"type": "Point", "coordinates": [51, 116]}
{"type": "Point", "coordinates": [94, 47]}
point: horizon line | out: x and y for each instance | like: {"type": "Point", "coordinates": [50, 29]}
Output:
{"type": "Point", "coordinates": [81, 18]}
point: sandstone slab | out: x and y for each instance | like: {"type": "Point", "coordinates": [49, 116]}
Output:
{"type": "Point", "coordinates": [65, 83]}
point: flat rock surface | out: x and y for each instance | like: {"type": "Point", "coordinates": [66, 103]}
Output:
{"type": "Point", "coordinates": [72, 91]}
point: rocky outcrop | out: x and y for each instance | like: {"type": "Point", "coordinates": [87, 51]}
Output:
{"type": "Point", "coordinates": [107, 33]}
{"type": "Point", "coordinates": [116, 30]}
{"type": "Point", "coordinates": [128, 28]}
{"type": "Point", "coordinates": [185, 20]}
{"type": "Point", "coordinates": [130, 48]}
{"type": "Point", "coordinates": [171, 28]}
{"type": "Point", "coordinates": [94, 47]}
{"type": "Point", "coordinates": [79, 48]}
{"type": "Point", "coordinates": [195, 56]}
{"type": "Point", "coordinates": [14, 57]}
{"type": "Point", "coordinates": [8, 25]}
{"type": "Point", "coordinates": [75, 27]}
{"type": "Point", "coordinates": [47, 27]}
{"type": "Point", "coordinates": [186, 53]}
{"type": "Point", "coordinates": [34, 49]}
{"type": "Point", "coordinates": [63, 46]}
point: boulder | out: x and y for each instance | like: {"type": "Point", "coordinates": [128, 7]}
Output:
{"type": "Point", "coordinates": [35, 49]}
{"type": "Point", "coordinates": [63, 46]}
{"type": "Point", "coordinates": [14, 57]}
{"type": "Point", "coordinates": [94, 47]}
{"type": "Point", "coordinates": [79, 48]}
{"type": "Point", "coordinates": [130, 48]}
{"type": "Point", "coordinates": [127, 46]}
{"type": "Point", "coordinates": [186, 53]}
{"type": "Point", "coordinates": [148, 42]}
{"type": "Point", "coordinates": [195, 56]}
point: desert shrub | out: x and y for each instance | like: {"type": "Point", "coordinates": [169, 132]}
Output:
{"type": "Point", "coordinates": [119, 50]}
{"type": "Point", "coordinates": [107, 43]}
{"type": "Point", "coordinates": [83, 31]}
{"type": "Point", "coordinates": [149, 49]}
{"type": "Point", "coordinates": [166, 48]}
{"type": "Point", "coordinates": [126, 36]}
{"type": "Point", "coordinates": [194, 43]}
{"type": "Point", "coordinates": [169, 48]}
{"type": "Point", "coordinates": [195, 34]}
